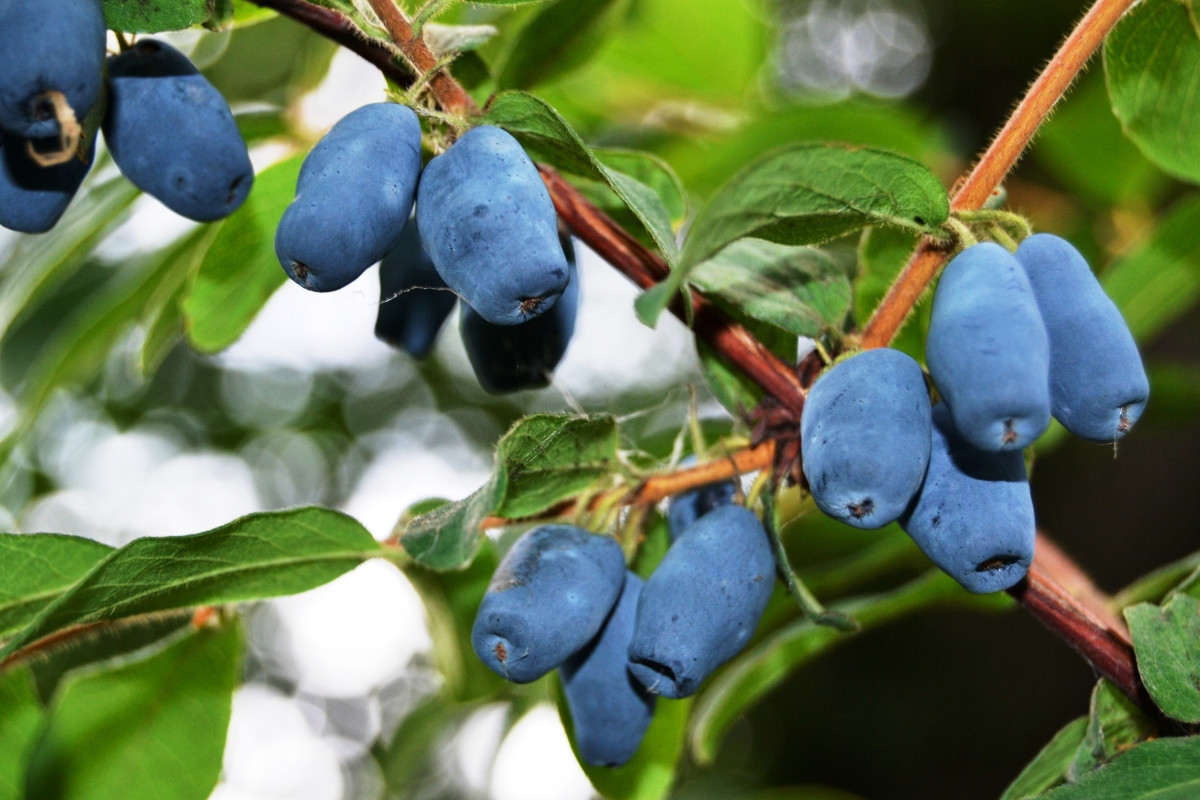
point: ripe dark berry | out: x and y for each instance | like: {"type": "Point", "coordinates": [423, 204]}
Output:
{"type": "Point", "coordinates": [33, 197]}
{"type": "Point", "coordinates": [700, 606]}
{"type": "Point", "coordinates": [610, 710]}
{"type": "Point", "coordinates": [490, 227]}
{"type": "Point", "coordinates": [1098, 386]}
{"type": "Point", "coordinates": [353, 197]}
{"type": "Point", "coordinates": [974, 514]}
{"type": "Point", "coordinates": [987, 350]}
{"type": "Point", "coordinates": [172, 133]}
{"type": "Point", "coordinates": [865, 437]}
{"type": "Point", "coordinates": [548, 597]}
{"type": "Point", "coordinates": [687, 507]}
{"type": "Point", "coordinates": [509, 358]}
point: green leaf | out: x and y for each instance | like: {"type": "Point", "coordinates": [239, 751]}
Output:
{"type": "Point", "coordinates": [150, 727]}
{"type": "Point", "coordinates": [1049, 767]}
{"type": "Point", "coordinates": [550, 457]}
{"type": "Point", "coordinates": [1114, 725]}
{"type": "Point", "coordinates": [547, 137]}
{"type": "Point", "coordinates": [763, 667]}
{"type": "Point", "coordinates": [38, 568]}
{"type": "Point", "coordinates": [240, 271]}
{"type": "Point", "coordinates": [1166, 642]}
{"type": "Point", "coordinates": [246, 13]}
{"type": "Point", "coordinates": [648, 169]}
{"type": "Point", "coordinates": [153, 16]}
{"type": "Point", "coordinates": [799, 289]}
{"type": "Point", "coordinates": [650, 774]}
{"type": "Point", "coordinates": [732, 388]}
{"type": "Point", "coordinates": [1160, 280]}
{"type": "Point", "coordinates": [1154, 585]}
{"type": "Point", "coordinates": [409, 762]}
{"type": "Point", "coordinates": [21, 717]}
{"type": "Point", "coordinates": [1164, 769]}
{"type": "Point", "coordinates": [807, 194]}
{"type": "Point", "coordinates": [543, 459]}
{"type": "Point", "coordinates": [258, 556]}
{"type": "Point", "coordinates": [1151, 59]}
{"type": "Point", "coordinates": [561, 36]}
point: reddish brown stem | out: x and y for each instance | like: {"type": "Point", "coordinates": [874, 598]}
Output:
{"type": "Point", "coordinates": [450, 95]}
{"type": "Point", "coordinates": [1000, 156]}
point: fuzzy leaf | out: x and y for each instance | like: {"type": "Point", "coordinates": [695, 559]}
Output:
{"type": "Point", "coordinates": [1164, 769]}
{"type": "Point", "coordinates": [153, 16]}
{"type": "Point", "coordinates": [38, 568]}
{"type": "Point", "coordinates": [1167, 643]}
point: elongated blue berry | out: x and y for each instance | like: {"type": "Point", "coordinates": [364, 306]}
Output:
{"type": "Point", "coordinates": [172, 134]}
{"type": "Point", "coordinates": [687, 507]}
{"type": "Point", "coordinates": [414, 301]}
{"type": "Point", "coordinates": [1098, 386]}
{"type": "Point", "coordinates": [701, 604]}
{"type": "Point", "coordinates": [610, 710]}
{"type": "Point", "coordinates": [509, 358]}
{"type": "Point", "coordinates": [974, 514]}
{"type": "Point", "coordinates": [353, 197]}
{"type": "Point", "coordinates": [865, 437]}
{"type": "Point", "coordinates": [33, 197]}
{"type": "Point", "coordinates": [489, 225]}
{"type": "Point", "coordinates": [48, 46]}
{"type": "Point", "coordinates": [548, 597]}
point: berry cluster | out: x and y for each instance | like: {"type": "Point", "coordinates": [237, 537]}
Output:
{"type": "Point", "coordinates": [562, 597]}
{"type": "Point", "coordinates": [168, 129]}
{"type": "Point", "coordinates": [1013, 340]}
{"type": "Point", "coordinates": [485, 230]}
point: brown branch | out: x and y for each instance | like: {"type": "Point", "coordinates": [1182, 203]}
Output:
{"type": "Point", "coordinates": [451, 96]}
{"type": "Point", "coordinates": [1007, 146]}
{"type": "Point", "coordinates": [1065, 618]}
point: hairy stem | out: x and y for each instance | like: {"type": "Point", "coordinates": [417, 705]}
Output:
{"type": "Point", "coordinates": [1008, 145]}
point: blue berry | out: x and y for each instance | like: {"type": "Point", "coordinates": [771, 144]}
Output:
{"type": "Point", "coordinates": [413, 299]}
{"type": "Point", "coordinates": [701, 604]}
{"type": "Point", "coordinates": [55, 46]}
{"type": "Point", "coordinates": [687, 507]}
{"type": "Point", "coordinates": [490, 227]}
{"type": "Point", "coordinates": [865, 437]}
{"type": "Point", "coordinates": [987, 350]}
{"type": "Point", "coordinates": [172, 134]}
{"type": "Point", "coordinates": [974, 514]}
{"type": "Point", "coordinates": [353, 197]}
{"type": "Point", "coordinates": [1098, 387]}
{"type": "Point", "coordinates": [509, 358]}
{"type": "Point", "coordinates": [548, 597]}
{"type": "Point", "coordinates": [610, 710]}
{"type": "Point", "coordinates": [32, 197]}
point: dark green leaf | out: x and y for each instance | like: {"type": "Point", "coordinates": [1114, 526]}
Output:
{"type": "Point", "coordinates": [547, 137]}
{"type": "Point", "coordinates": [153, 727]}
{"type": "Point", "coordinates": [152, 16]}
{"type": "Point", "coordinates": [1160, 280]}
{"type": "Point", "coordinates": [1114, 725]}
{"type": "Point", "coordinates": [1153, 586]}
{"type": "Point", "coordinates": [807, 194]}
{"type": "Point", "coordinates": [1166, 641]}
{"type": "Point", "coordinates": [38, 568]}
{"type": "Point", "coordinates": [21, 717]}
{"type": "Point", "coordinates": [448, 537]}
{"type": "Point", "coordinates": [257, 556]}
{"type": "Point", "coordinates": [240, 271]}
{"type": "Point", "coordinates": [1049, 767]}
{"type": "Point", "coordinates": [648, 169]}
{"type": "Point", "coordinates": [1151, 59]}
{"type": "Point", "coordinates": [558, 38]}
{"type": "Point", "coordinates": [550, 457]}
{"type": "Point", "coordinates": [1164, 769]}
{"type": "Point", "coordinates": [650, 774]}
{"type": "Point", "coordinates": [799, 289]}
{"type": "Point", "coordinates": [763, 667]}
{"type": "Point", "coordinates": [732, 388]}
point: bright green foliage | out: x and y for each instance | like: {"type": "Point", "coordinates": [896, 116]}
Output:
{"type": "Point", "coordinates": [1167, 643]}
{"type": "Point", "coordinates": [1164, 769]}
{"type": "Point", "coordinates": [258, 556]}
{"type": "Point", "coordinates": [1151, 59]}
{"type": "Point", "coordinates": [152, 16]}
{"type": "Point", "coordinates": [1114, 725]}
{"type": "Point", "coordinates": [21, 718]}
{"type": "Point", "coordinates": [152, 726]}
{"type": "Point", "coordinates": [1049, 767]}
{"type": "Point", "coordinates": [39, 568]}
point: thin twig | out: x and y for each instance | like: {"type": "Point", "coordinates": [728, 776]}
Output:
{"type": "Point", "coordinates": [1008, 145]}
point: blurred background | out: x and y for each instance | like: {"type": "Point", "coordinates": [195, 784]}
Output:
{"type": "Point", "coordinates": [307, 407]}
